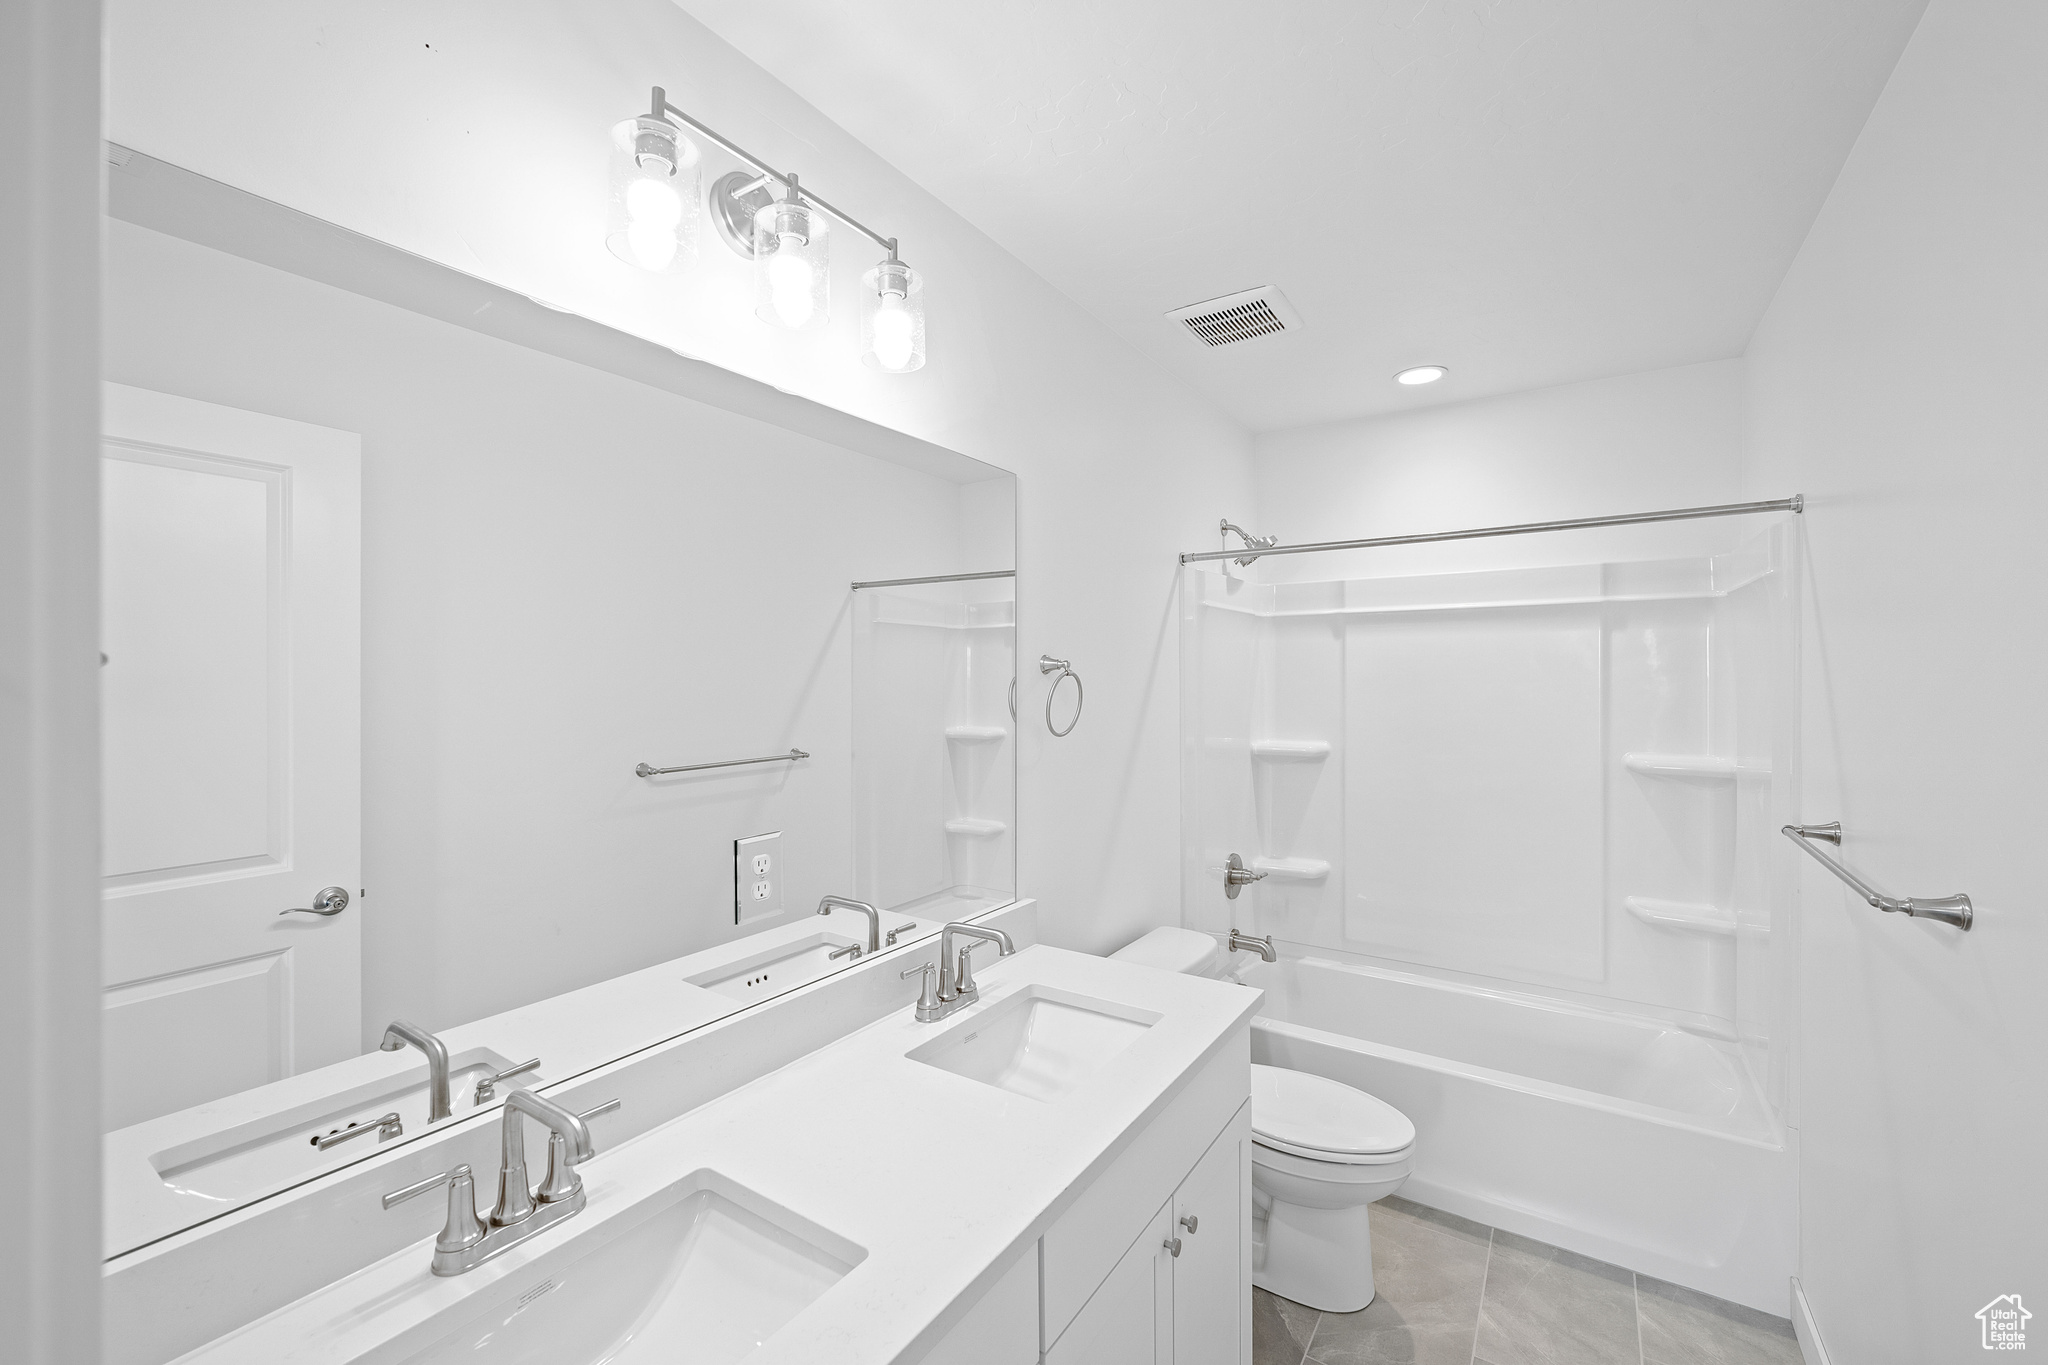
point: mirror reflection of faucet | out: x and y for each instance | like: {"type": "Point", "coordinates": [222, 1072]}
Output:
{"type": "Point", "coordinates": [396, 1035]}
{"type": "Point", "coordinates": [830, 903]}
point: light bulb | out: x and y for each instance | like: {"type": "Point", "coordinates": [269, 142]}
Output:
{"type": "Point", "coordinates": [789, 284]}
{"type": "Point", "coordinates": [651, 246]}
{"type": "Point", "coordinates": [1421, 374]}
{"type": "Point", "coordinates": [893, 333]}
{"type": "Point", "coordinates": [652, 201]}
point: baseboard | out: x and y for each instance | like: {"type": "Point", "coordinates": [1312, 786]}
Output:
{"type": "Point", "coordinates": [1803, 1327]}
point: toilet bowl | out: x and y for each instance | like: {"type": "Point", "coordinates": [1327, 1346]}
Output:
{"type": "Point", "coordinates": [1322, 1153]}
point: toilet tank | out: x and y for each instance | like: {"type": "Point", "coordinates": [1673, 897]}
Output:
{"type": "Point", "coordinates": [1173, 949]}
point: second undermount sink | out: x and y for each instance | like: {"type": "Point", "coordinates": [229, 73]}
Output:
{"type": "Point", "coordinates": [781, 968]}
{"type": "Point", "coordinates": [1040, 1043]}
{"type": "Point", "coordinates": [701, 1274]}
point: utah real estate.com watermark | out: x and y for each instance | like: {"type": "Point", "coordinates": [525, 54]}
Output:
{"type": "Point", "coordinates": [2005, 1323]}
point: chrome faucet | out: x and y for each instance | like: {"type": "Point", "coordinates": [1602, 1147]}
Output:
{"type": "Point", "coordinates": [954, 988]}
{"type": "Point", "coordinates": [396, 1035]}
{"type": "Point", "coordinates": [1245, 943]}
{"type": "Point", "coordinates": [826, 906]}
{"type": "Point", "coordinates": [468, 1238]}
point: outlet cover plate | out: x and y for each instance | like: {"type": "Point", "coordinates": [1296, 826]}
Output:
{"type": "Point", "coordinates": [756, 877]}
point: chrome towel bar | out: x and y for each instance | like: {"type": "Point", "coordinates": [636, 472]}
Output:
{"type": "Point", "coordinates": [1954, 909]}
{"type": "Point", "coordinates": [649, 770]}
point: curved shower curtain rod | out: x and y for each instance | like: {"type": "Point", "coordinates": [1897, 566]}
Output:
{"type": "Point", "coordinates": [1795, 503]}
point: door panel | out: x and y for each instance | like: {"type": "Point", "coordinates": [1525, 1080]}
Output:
{"type": "Point", "coordinates": [1211, 1279]}
{"type": "Point", "coordinates": [1129, 1318]}
{"type": "Point", "coordinates": [231, 771]}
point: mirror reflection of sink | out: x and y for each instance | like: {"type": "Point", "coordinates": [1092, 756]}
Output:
{"type": "Point", "coordinates": [780, 968]}
{"type": "Point", "coordinates": [266, 1154]}
{"type": "Point", "coordinates": [703, 1277]}
{"type": "Point", "coordinates": [1040, 1043]}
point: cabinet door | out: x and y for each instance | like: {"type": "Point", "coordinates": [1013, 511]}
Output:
{"type": "Point", "coordinates": [1129, 1318]}
{"type": "Point", "coordinates": [1212, 1274]}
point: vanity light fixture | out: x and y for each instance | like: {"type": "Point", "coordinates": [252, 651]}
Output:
{"type": "Point", "coordinates": [1421, 374]}
{"type": "Point", "coordinates": [655, 193]}
{"type": "Point", "coordinates": [763, 214]}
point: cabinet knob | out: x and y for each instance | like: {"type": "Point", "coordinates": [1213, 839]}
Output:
{"type": "Point", "coordinates": [1172, 1244]}
{"type": "Point", "coordinates": [1191, 1223]}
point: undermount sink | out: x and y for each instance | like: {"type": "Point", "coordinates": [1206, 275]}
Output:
{"type": "Point", "coordinates": [267, 1154]}
{"type": "Point", "coordinates": [1040, 1043]}
{"type": "Point", "coordinates": [701, 1274]}
{"type": "Point", "coordinates": [774, 970]}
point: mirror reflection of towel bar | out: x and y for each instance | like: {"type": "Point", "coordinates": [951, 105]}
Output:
{"type": "Point", "coordinates": [649, 770]}
{"type": "Point", "coordinates": [1954, 909]}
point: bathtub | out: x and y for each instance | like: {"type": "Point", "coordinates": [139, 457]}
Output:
{"type": "Point", "coordinates": [1617, 1136]}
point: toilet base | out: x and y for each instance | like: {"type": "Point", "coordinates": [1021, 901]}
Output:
{"type": "Point", "coordinates": [1321, 1258]}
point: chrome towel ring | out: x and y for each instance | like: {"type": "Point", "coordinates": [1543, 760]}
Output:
{"type": "Point", "coordinates": [1048, 664]}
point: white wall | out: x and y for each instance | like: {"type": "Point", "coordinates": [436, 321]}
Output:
{"type": "Point", "coordinates": [49, 694]}
{"type": "Point", "coordinates": [473, 134]}
{"type": "Point", "coordinates": [565, 573]}
{"type": "Point", "coordinates": [1901, 379]}
{"type": "Point", "coordinates": [1665, 438]}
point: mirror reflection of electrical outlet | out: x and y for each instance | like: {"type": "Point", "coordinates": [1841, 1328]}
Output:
{"type": "Point", "coordinates": [756, 877]}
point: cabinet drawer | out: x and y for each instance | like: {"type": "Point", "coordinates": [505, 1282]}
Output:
{"type": "Point", "coordinates": [1085, 1244]}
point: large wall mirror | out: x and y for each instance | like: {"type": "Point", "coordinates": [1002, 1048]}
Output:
{"type": "Point", "coordinates": [483, 704]}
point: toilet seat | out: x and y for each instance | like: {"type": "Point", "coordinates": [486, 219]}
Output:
{"type": "Point", "coordinates": [1319, 1119]}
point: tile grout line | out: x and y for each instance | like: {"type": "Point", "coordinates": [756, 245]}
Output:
{"type": "Point", "coordinates": [1480, 1311]}
{"type": "Point", "coordinates": [1635, 1289]}
{"type": "Point", "coordinates": [1306, 1345]}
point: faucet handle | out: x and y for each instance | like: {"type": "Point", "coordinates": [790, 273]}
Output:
{"type": "Point", "coordinates": [928, 1006]}
{"type": "Point", "coordinates": [560, 1182]}
{"type": "Point", "coordinates": [487, 1086]}
{"type": "Point", "coordinates": [463, 1228]}
{"type": "Point", "coordinates": [963, 978]}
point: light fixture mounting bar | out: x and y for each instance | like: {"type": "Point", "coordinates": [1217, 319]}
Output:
{"type": "Point", "coordinates": [661, 102]}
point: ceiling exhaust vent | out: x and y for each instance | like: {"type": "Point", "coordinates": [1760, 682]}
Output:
{"type": "Point", "coordinates": [1244, 316]}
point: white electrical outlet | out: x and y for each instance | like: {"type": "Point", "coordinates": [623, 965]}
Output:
{"type": "Point", "coordinates": [756, 877]}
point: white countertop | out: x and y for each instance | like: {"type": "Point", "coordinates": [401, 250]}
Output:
{"type": "Point", "coordinates": [938, 1178]}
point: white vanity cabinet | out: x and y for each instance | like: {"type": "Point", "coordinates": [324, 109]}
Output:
{"type": "Point", "coordinates": [1113, 1291]}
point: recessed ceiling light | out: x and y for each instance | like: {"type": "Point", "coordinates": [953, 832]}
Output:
{"type": "Point", "coordinates": [1421, 374]}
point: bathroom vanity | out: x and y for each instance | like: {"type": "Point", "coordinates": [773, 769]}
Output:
{"type": "Point", "coordinates": [1058, 1172]}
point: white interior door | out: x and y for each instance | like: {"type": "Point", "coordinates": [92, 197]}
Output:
{"type": "Point", "coordinates": [230, 702]}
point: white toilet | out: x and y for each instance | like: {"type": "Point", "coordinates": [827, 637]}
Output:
{"type": "Point", "coordinates": [1322, 1152]}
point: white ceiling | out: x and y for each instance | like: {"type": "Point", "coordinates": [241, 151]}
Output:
{"type": "Point", "coordinates": [1531, 193]}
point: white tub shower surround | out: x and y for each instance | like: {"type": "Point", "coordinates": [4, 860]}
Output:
{"type": "Point", "coordinates": [1516, 824]}
{"type": "Point", "coordinates": [1623, 1138]}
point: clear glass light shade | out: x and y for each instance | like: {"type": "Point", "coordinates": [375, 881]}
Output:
{"type": "Point", "coordinates": [792, 279]}
{"type": "Point", "coordinates": [656, 198]}
{"type": "Point", "coordinates": [892, 318]}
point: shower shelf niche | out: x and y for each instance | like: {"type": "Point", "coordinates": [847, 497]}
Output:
{"type": "Point", "coordinates": [1680, 765]}
{"type": "Point", "coordinates": [1291, 750]}
{"type": "Point", "coordinates": [975, 734]}
{"type": "Point", "coordinates": [980, 828]}
{"type": "Point", "coordinates": [1292, 869]}
{"type": "Point", "coordinates": [1689, 916]}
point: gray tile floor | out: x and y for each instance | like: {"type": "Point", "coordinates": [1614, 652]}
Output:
{"type": "Point", "coordinates": [1455, 1292]}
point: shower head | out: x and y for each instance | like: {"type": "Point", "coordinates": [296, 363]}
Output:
{"type": "Point", "coordinates": [1251, 542]}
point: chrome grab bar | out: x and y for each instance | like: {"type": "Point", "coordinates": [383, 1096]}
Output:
{"type": "Point", "coordinates": [649, 770]}
{"type": "Point", "coordinates": [1954, 909]}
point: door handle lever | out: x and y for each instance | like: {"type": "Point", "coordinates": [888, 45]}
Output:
{"type": "Point", "coordinates": [332, 900]}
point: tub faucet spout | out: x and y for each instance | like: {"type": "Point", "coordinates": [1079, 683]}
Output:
{"type": "Point", "coordinates": [1245, 943]}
